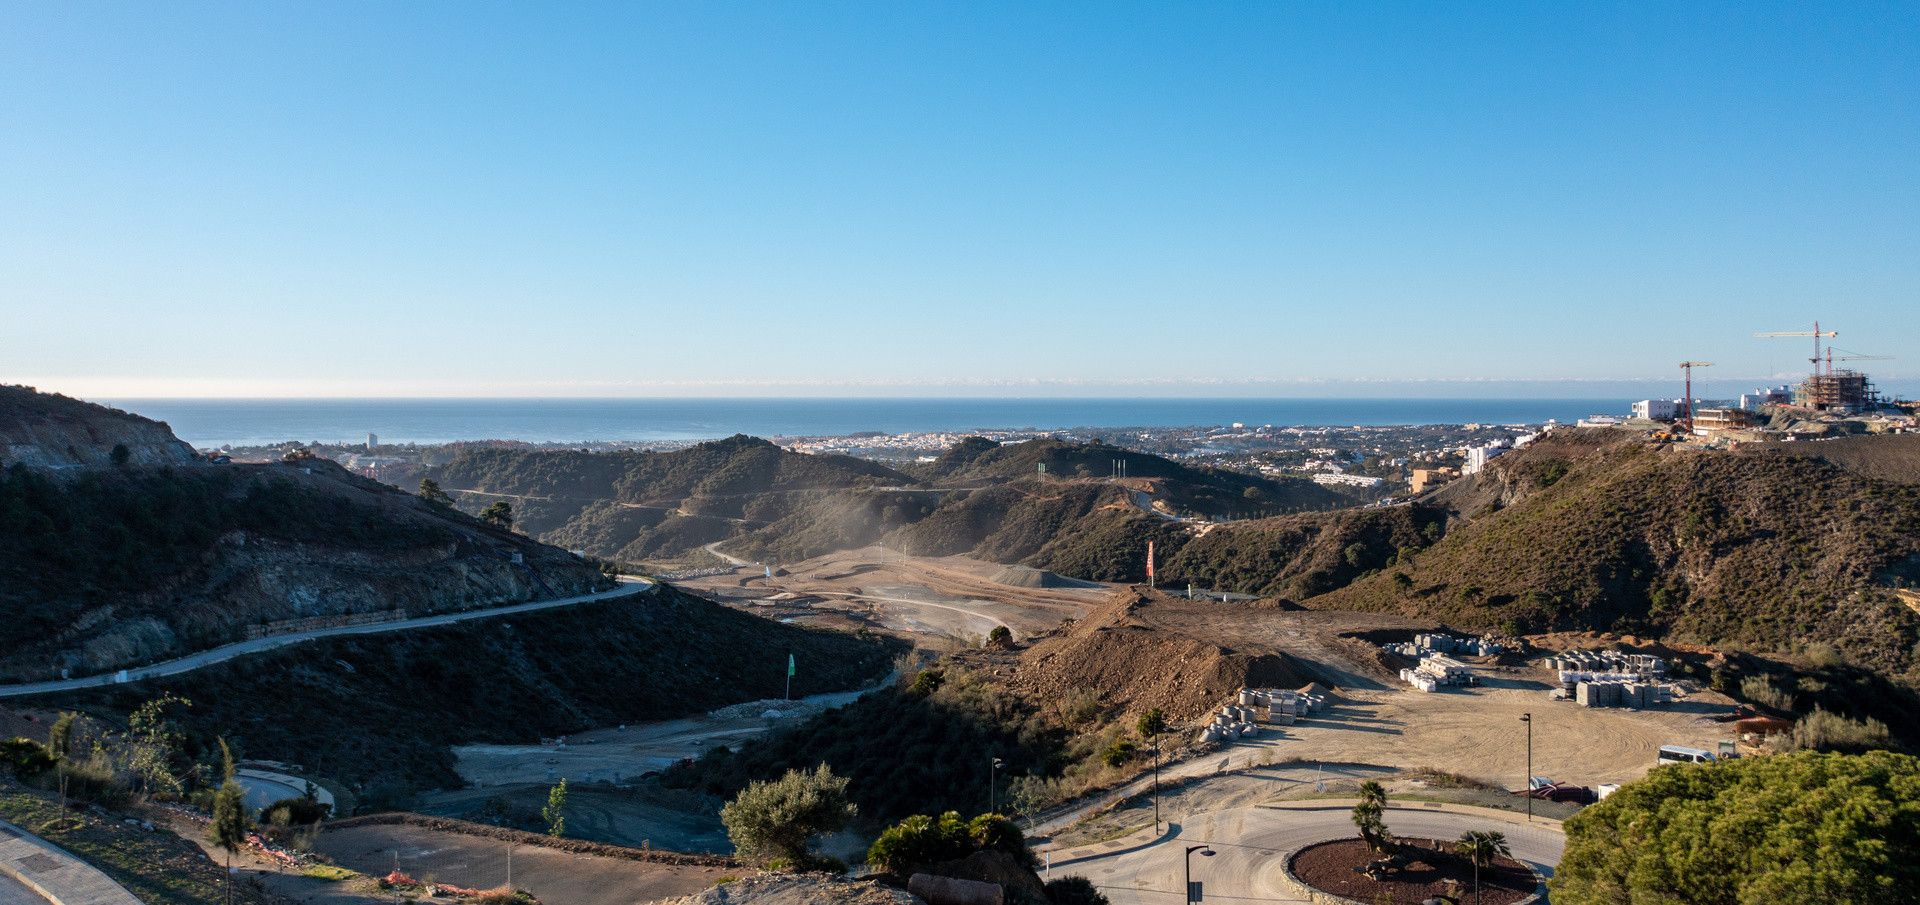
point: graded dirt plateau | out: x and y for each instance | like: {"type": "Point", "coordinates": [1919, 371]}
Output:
{"type": "Point", "coordinates": [929, 597]}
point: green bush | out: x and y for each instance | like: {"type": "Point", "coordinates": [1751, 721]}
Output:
{"type": "Point", "coordinates": [920, 841]}
{"type": "Point", "coordinates": [1830, 828]}
{"type": "Point", "coordinates": [25, 757]}
{"type": "Point", "coordinates": [296, 811]}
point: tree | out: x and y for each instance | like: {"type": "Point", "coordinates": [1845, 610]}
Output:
{"type": "Point", "coordinates": [774, 820]}
{"type": "Point", "coordinates": [1152, 723]}
{"type": "Point", "coordinates": [431, 492]}
{"type": "Point", "coordinates": [120, 454]}
{"type": "Point", "coordinates": [60, 744]}
{"type": "Point", "coordinates": [1368, 815]}
{"type": "Point", "coordinates": [154, 746]}
{"type": "Point", "coordinates": [230, 823]}
{"type": "Point", "coordinates": [499, 515]}
{"type": "Point", "coordinates": [1481, 847]}
{"type": "Point", "coordinates": [1001, 636]}
{"type": "Point", "coordinates": [555, 813]}
{"type": "Point", "coordinates": [1801, 827]}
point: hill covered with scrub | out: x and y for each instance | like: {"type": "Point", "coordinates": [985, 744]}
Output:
{"type": "Point", "coordinates": [114, 559]}
{"type": "Point", "coordinates": [1773, 550]}
{"type": "Point", "coordinates": [382, 712]}
{"type": "Point", "coordinates": [983, 498]}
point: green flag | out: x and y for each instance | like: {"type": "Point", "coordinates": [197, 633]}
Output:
{"type": "Point", "coordinates": [789, 666]}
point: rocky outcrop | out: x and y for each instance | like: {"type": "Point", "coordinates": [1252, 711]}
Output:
{"type": "Point", "coordinates": [47, 430]}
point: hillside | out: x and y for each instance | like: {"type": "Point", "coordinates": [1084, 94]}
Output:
{"type": "Point", "coordinates": [1299, 556]}
{"type": "Point", "coordinates": [1596, 530]}
{"type": "Point", "coordinates": [47, 430]}
{"type": "Point", "coordinates": [381, 712]}
{"type": "Point", "coordinates": [1052, 712]}
{"type": "Point", "coordinates": [104, 566]}
{"type": "Point", "coordinates": [978, 461]}
{"type": "Point", "coordinates": [980, 497]}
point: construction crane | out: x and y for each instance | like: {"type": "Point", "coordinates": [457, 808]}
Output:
{"type": "Point", "coordinates": [1850, 357]}
{"type": "Point", "coordinates": [1817, 336]}
{"type": "Point", "coordinates": [1685, 415]}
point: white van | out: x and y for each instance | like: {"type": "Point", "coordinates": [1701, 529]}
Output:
{"type": "Point", "coordinates": [1680, 754]}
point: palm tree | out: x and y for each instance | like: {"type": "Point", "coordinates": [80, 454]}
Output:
{"type": "Point", "coordinates": [1481, 847]}
{"type": "Point", "coordinates": [1368, 815]}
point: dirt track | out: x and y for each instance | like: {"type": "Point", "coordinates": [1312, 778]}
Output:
{"type": "Point", "coordinates": [951, 596]}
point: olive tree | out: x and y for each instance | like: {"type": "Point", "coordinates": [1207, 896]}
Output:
{"type": "Point", "coordinates": [773, 820]}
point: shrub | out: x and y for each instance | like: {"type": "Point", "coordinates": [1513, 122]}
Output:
{"type": "Point", "coordinates": [922, 840]}
{"type": "Point", "coordinates": [1825, 731]}
{"type": "Point", "coordinates": [1761, 690]}
{"type": "Point", "coordinates": [926, 682]}
{"type": "Point", "coordinates": [1151, 723]}
{"type": "Point", "coordinates": [25, 757]}
{"type": "Point", "coordinates": [296, 811]}
{"type": "Point", "coordinates": [1118, 753]}
{"type": "Point", "coordinates": [769, 820]}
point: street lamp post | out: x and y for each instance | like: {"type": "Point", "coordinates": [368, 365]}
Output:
{"type": "Point", "coordinates": [1205, 852]}
{"type": "Point", "coordinates": [1528, 719]}
{"type": "Point", "coordinates": [993, 777]}
{"type": "Point", "coordinates": [1156, 790]}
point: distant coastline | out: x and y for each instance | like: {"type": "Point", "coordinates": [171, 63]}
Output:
{"type": "Point", "coordinates": [216, 422]}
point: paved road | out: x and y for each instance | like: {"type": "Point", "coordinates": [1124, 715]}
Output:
{"type": "Point", "coordinates": [225, 652]}
{"type": "Point", "coordinates": [13, 893]}
{"type": "Point", "coordinates": [28, 859]}
{"type": "Point", "coordinates": [1249, 843]}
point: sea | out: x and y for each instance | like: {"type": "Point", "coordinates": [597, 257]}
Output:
{"type": "Point", "coordinates": [209, 423]}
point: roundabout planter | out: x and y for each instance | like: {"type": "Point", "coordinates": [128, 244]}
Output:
{"type": "Point", "coordinates": [1311, 869]}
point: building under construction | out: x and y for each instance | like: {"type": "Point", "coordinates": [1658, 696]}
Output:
{"type": "Point", "coordinates": [1839, 390]}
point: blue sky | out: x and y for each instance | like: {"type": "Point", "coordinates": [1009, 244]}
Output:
{"type": "Point", "coordinates": [1047, 199]}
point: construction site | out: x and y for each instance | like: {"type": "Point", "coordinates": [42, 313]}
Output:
{"type": "Point", "coordinates": [1831, 390]}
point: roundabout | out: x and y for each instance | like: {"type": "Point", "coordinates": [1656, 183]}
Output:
{"type": "Point", "coordinates": [1252, 846]}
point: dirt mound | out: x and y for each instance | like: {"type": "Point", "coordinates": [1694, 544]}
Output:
{"type": "Point", "coordinates": [1028, 577]}
{"type": "Point", "coordinates": [804, 889]}
{"type": "Point", "coordinates": [1133, 665]}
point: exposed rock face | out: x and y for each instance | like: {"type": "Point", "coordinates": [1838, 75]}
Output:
{"type": "Point", "coordinates": [114, 559]}
{"type": "Point", "coordinates": [46, 430]}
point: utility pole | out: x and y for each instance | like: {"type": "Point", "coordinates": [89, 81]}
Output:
{"type": "Point", "coordinates": [1528, 719]}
